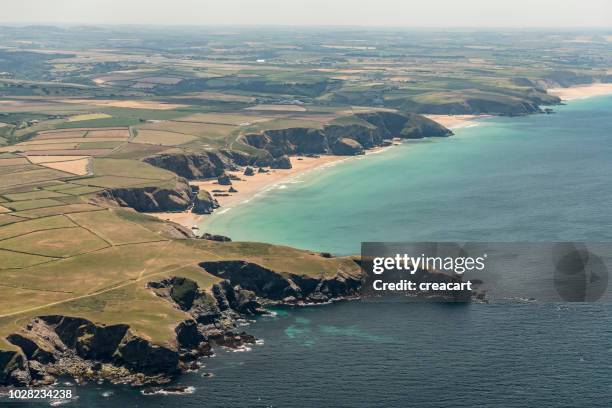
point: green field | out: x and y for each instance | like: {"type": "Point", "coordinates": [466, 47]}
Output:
{"type": "Point", "coordinates": [89, 107]}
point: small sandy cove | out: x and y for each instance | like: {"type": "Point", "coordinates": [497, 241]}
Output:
{"type": "Point", "coordinates": [248, 186]}
{"type": "Point", "coordinates": [581, 91]}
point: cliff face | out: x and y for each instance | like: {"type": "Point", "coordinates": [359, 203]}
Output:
{"type": "Point", "coordinates": [176, 197]}
{"type": "Point", "coordinates": [200, 165]}
{"type": "Point", "coordinates": [279, 142]}
{"type": "Point", "coordinates": [369, 130]}
{"type": "Point", "coordinates": [52, 346]}
{"type": "Point", "coordinates": [275, 286]}
{"type": "Point", "coordinates": [477, 105]}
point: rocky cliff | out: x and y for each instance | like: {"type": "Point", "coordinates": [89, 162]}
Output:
{"type": "Point", "coordinates": [53, 346]}
{"type": "Point", "coordinates": [482, 104]}
{"type": "Point", "coordinates": [288, 288]}
{"type": "Point", "coordinates": [173, 196]}
{"type": "Point", "coordinates": [347, 136]}
{"type": "Point", "coordinates": [202, 164]}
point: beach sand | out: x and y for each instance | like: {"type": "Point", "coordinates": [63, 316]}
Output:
{"type": "Point", "coordinates": [581, 91]}
{"type": "Point", "coordinates": [455, 121]}
{"type": "Point", "coordinates": [248, 186]}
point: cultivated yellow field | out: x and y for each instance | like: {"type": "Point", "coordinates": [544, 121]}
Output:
{"type": "Point", "coordinates": [88, 116]}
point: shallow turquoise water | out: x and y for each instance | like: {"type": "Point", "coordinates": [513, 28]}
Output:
{"type": "Point", "coordinates": [534, 178]}
{"type": "Point", "coordinates": [517, 179]}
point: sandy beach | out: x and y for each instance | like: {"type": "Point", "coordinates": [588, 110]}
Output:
{"type": "Point", "coordinates": [581, 91]}
{"type": "Point", "coordinates": [455, 121]}
{"type": "Point", "coordinates": [248, 186]}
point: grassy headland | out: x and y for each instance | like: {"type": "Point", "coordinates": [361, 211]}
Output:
{"type": "Point", "coordinates": [93, 133]}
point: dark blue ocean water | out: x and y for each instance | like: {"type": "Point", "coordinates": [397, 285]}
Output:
{"type": "Point", "coordinates": [358, 354]}
{"type": "Point", "coordinates": [536, 178]}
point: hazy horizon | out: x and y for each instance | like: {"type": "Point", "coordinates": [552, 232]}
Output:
{"type": "Point", "coordinates": [338, 13]}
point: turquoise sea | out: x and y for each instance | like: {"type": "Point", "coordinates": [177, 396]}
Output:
{"type": "Point", "coordinates": [535, 178]}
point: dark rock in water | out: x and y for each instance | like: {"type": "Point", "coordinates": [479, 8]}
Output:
{"type": "Point", "coordinates": [218, 238]}
{"type": "Point", "coordinates": [232, 190]}
{"type": "Point", "coordinates": [347, 147]}
{"type": "Point", "coordinates": [204, 203]}
{"type": "Point", "coordinates": [282, 162]}
{"type": "Point", "coordinates": [224, 180]}
{"type": "Point", "coordinates": [172, 389]}
{"type": "Point", "coordinates": [480, 295]}
{"type": "Point", "coordinates": [326, 255]}
{"type": "Point", "coordinates": [262, 170]}
{"type": "Point", "coordinates": [235, 340]}
{"type": "Point", "coordinates": [248, 171]}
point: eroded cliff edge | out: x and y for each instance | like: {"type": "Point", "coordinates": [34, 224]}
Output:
{"type": "Point", "coordinates": [345, 136]}
{"type": "Point", "coordinates": [348, 135]}
{"type": "Point", "coordinates": [51, 346]}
